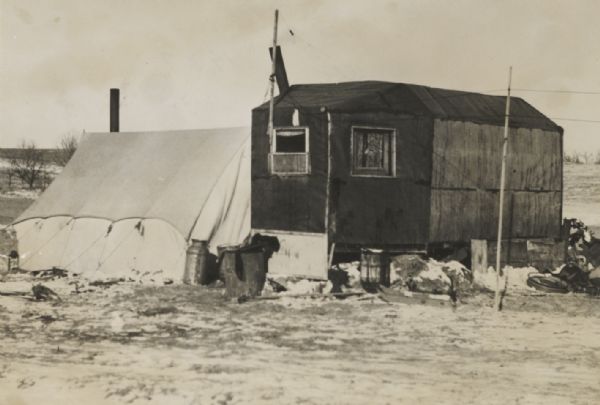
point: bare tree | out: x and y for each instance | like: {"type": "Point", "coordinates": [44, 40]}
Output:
{"type": "Point", "coordinates": [574, 157]}
{"type": "Point", "coordinates": [28, 165]}
{"type": "Point", "coordinates": [66, 148]}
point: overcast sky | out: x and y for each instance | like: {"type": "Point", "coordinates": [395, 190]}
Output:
{"type": "Point", "coordinates": [197, 64]}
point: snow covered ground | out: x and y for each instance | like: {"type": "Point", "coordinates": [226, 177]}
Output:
{"type": "Point", "coordinates": [136, 344]}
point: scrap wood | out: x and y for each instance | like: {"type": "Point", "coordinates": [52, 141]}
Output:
{"type": "Point", "coordinates": [107, 282]}
{"type": "Point", "coordinates": [392, 295]}
{"type": "Point", "coordinates": [14, 293]}
{"type": "Point", "coordinates": [245, 298]}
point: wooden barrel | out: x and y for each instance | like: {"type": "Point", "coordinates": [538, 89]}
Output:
{"type": "Point", "coordinates": [243, 270]}
{"type": "Point", "coordinates": [374, 267]}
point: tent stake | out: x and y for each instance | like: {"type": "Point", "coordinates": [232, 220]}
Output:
{"type": "Point", "coordinates": [498, 294]}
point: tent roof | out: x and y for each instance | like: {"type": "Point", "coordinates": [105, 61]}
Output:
{"type": "Point", "coordinates": [367, 96]}
{"type": "Point", "coordinates": [165, 175]}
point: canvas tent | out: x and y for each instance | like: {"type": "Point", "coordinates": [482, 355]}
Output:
{"type": "Point", "coordinates": [128, 204]}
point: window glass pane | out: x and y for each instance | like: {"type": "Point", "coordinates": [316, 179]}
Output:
{"type": "Point", "coordinates": [290, 141]}
{"type": "Point", "coordinates": [372, 152]}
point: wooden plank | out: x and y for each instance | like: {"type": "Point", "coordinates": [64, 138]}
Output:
{"type": "Point", "coordinates": [462, 215]}
{"type": "Point", "coordinates": [479, 256]}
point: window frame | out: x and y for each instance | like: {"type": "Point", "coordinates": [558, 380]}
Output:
{"type": "Point", "coordinates": [392, 170]}
{"type": "Point", "coordinates": [273, 152]}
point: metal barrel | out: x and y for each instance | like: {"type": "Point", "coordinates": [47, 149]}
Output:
{"type": "Point", "coordinates": [197, 263]}
{"type": "Point", "coordinates": [374, 267]}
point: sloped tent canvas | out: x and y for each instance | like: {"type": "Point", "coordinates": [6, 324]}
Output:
{"type": "Point", "coordinates": [128, 204]}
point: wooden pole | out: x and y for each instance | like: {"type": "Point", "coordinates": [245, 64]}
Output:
{"type": "Point", "coordinates": [498, 294]}
{"type": "Point", "coordinates": [272, 79]}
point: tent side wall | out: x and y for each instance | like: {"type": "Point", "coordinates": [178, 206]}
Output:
{"type": "Point", "coordinates": [466, 180]}
{"type": "Point", "coordinates": [289, 203]}
{"type": "Point", "coordinates": [381, 211]}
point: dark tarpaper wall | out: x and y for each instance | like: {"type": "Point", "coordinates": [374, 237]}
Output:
{"type": "Point", "coordinates": [382, 211]}
{"type": "Point", "coordinates": [291, 203]}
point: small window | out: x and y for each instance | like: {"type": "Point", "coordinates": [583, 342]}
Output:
{"type": "Point", "coordinates": [373, 151]}
{"type": "Point", "coordinates": [290, 151]}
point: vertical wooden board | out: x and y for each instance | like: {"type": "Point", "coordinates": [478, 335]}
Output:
{"type": "Point", "coordinates": [468, 156]}
{"type": "Point", "coordinates": [538, 163]}
{"type": "Point", "coordinates": [556, 159]}
{"type": "Point", "coordinates": [490, 152]}
{"type": "Point", "coordinates": [440, 139]}
{"type": "Point", "coordinates": [479, 257]}
{"type": "Point", "coordinates": [473, 156]}
{"type": "Point", "coordinates": [458, 215]}
{"type": "Point", "coordinates": [513, 253]}
{"type": "Point", "coordinates": [537, 214]}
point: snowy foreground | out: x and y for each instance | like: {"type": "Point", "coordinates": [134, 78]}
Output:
{"type": "Point", "coordinates": [129, 343]}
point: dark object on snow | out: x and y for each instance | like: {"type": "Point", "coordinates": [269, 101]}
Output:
{"type": "Point", "coordinates": [269, 243]}
{"type": "Point", "coordinates": [158, 311]}
{"type": "Point", "coordinates": [243, 270]}
{"type": "Point", "coordinates": [13, 260]}
{"type": "Point", "coordinates": [573, 275]}
{"type": "Point", "coordinates": [549, 284]}
{"type": "Point", "coordinates": [339, 278]}
{"type": "Point", "coordinates": [47, 319]}
{"type": "Point", "coordinates": [374, 269]}
{"type": "Point", "coordinates": [43, 293]}
{"type": "Point", "coordinates": [277, 288]}
{"type": "Point", "coordinates": [106, 283]}
{"type": "Point", "coordinates": [51, 273]}
{"type": "Point", "coordinates": [594, 277]}
{"type": "Point", "coordinates": [591, 251]}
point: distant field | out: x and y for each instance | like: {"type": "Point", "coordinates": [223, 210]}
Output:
{"type": "Point", "coordinates": [582, 194]}
{"type": "Point", "coordinates": [12, 207]}
{"type": "Point", "coordinates": [14, 196]}
{"type": "Point", "coordinates": [9, 153]}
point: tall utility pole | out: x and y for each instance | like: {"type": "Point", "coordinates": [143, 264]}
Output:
{"type": "Point", "coordinates": [498, 295]}
{"type": "Point", "coordinates": [272, 79]}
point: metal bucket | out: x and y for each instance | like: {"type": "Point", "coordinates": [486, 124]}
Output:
{"type": "Point", "coordinates": [374, 267]}
{"type": "Point", "coordinates": [197, 269]}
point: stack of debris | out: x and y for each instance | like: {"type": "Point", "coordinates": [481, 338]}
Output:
{"type": "Point", "coordinates": [429, 276]}
{"type": "Point", "coordinates": [581, 272]}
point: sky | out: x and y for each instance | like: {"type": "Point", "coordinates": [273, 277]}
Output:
{"type": "Point", "coordinates": [200, 64]}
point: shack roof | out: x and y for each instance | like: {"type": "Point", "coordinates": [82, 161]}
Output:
{"type": "Point", "coordinates": [413, 99]}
